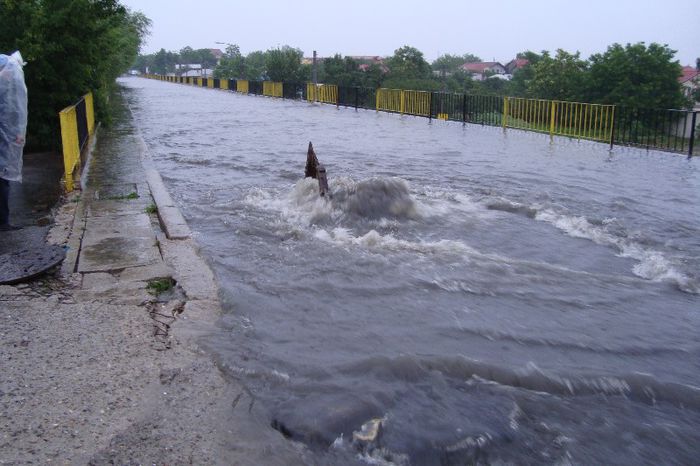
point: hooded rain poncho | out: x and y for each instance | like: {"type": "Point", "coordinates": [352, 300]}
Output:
{"type": "Point", "coordinates": [13, 116]}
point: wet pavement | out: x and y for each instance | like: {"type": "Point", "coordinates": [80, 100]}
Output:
{"type": "Point", "coordinates": [32, 200]}
{"type": "Point", "coordinates": [97, 369]}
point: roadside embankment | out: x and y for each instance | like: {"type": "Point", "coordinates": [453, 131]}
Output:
{"type": "Point", "coordinates": [100, 362]}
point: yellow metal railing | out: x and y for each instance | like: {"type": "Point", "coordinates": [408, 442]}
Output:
{"type": "Point", "coordinates": [272, 89]}
{"type": "Point", "coordinates": [326, 93]}
{"type": "Point", "coordinates": [558, 118]}
{"type": "Point", "coordinates": [210, 83]}
{"type": "Point", "coordinates": [572, 119]}
{"type": "Point", "coordinates": [70, 139]}
{"type": "Point", "coordinates": [389, 100]}
{"type": "Point", "coordinates": [403, 101]}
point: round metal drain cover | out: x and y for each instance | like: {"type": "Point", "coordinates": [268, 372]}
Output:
{"type": "Point", "coordinates": [22, 265]}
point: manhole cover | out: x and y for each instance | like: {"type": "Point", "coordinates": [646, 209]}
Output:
{"type": "Point", "coordinates": [22, 265]}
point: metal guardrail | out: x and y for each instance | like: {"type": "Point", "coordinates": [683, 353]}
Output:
{"type": "Point", "coordinates": [405, 102]}
{"type": "Point", "coordinates": [324, 93]}
{"type": "Point", "coordinates": [668, 130]}
{"type": "Point", "coordinates": [272, 89]}
{"type": "Point", "coordinates": [77, 125]}
{"type": "Point", "coordinates": [573, 119]}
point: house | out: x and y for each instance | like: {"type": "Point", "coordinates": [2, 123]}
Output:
{"type": "Point", "coordinates": [218, 54]}
{"type": "Point", "coordinates": [192, 70]}
{"type": "Point", "coordinates": [515, 64]}
{"type": "Point", "coordinates": [690, 80]}
{"type": "Point", "coordinates": [484, 70]}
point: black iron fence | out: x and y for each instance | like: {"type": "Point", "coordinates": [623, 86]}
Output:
{"type": "Point", "coordinates": [667, 130]}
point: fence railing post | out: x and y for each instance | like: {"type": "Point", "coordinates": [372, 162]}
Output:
{"type": "Point", "coordinates": [505, 112]}
{"type": "Point", "coordinates": [692, 134]}
{"type": "Point", "coordinates": [430, 107]}
{"type": "Point", "coordinates": [464, 108]}
{"type": "Point", "coordinates": [553, 110]}
{"type": "Point", "coordinates": [612, 129]}
{"type": "Point", "coordinates": [357, 91]}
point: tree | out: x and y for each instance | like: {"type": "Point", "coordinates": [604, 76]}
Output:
{"type": "Point", "coordinates": [372, 76]}
{"type": "Point", "coordinates": [518, 85]}
{"type": "Point", "coordinates": [255, 66]}
{"type": "Point", "coordinates": [562, 77]}
{"type": "Point", "coordinates": [232, 65]}
{"type": "Point", "coordinates": [697, 63]}
{"type": "Point", "coordinates": [163, 62]}
{"type": "Point", "coordinates": [448, 64]}
{"type": "Point", "coordinates": [284, 64]}
{"type": "Point", "coordinates": [408, 63]}
{"type": "Point", "coordinates": [342, 71]}
{"type": "Point", "coordinates": [72, 47]}
{"type": "Point", "coordinates": [636, 76]}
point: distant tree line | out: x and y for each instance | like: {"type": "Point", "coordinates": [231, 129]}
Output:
{"type": "Point", "coordinates": [71, 47]}
{"type": "Point", "coordinates": [635, 75]}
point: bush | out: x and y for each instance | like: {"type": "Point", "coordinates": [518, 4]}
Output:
{"type": "Point", "coordinates": [71, 47]}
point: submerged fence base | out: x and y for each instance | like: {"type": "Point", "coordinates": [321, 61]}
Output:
{"type": "Point", "coordinates": [667, 130]}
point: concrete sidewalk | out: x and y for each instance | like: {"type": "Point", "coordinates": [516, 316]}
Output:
{"type": "Point", "coordinates": [98, 370]}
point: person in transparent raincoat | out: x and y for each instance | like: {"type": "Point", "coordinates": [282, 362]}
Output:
{"type": "Point", "coordinates": [13, 129]}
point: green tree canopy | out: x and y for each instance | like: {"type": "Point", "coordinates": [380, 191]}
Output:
{"type": "Point", "coordinates": [562, 77]}
{"type": "Point", "coordinates": [71, 47]}
{"type": "Point", "coordinates": [448, 64]}
{"type": "Point", "coordinates": [255, 65]}
{"type": "Point", "coordinates": [283, 64]}
{"type": "Point", "coordinates": [518, 85]}
{"type": "Point", "coordinates": [637, 76]}
{"type": "Point", "coordinates": [408, 63]}
{"type": "Point", "coordinates": [232, 65]}
{"type": "Point", "coordinates": [342, 71]}
{"type": "Point", "coordinates": [164, 62]}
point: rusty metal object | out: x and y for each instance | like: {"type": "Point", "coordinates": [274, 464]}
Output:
{"type": "Point", "coordinates": [317, 171]}
{"type": "Point", "coordinates": [25, 264]}
{"type": "Point", "coordinates": [311, 163]}
{"type": "Point", "coordinates": [322, 181]}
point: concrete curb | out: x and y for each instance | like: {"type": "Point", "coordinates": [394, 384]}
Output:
{"type": "Point", "coordinates": [171, 219]}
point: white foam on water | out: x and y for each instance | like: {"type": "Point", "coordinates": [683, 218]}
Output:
{"type": "Point", "coordinates": [437, 203]}
{"type": "Point", "coordinates": [651, 265]}
{"type": "Point", "coordinates": [373, 240]}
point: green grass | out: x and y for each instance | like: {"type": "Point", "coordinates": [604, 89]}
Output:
{"type": "Point", "coordinates": [130, 196]}
{"type": "Point", "coordinates": [151, 209]}
{"type": "Point", "coordinates": [160, 285]}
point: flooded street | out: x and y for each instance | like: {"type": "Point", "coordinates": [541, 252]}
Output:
{"type": "Point", "coordinates": [490, 296]}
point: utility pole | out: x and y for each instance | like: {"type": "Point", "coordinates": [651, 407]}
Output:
{"type": "Point", "coordinates": [315, 70]}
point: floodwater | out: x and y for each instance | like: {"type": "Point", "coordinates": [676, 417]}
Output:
{"type": "Point", "coordinates": [485, 297]}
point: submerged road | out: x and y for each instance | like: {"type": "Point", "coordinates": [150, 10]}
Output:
{"type": "Point", "coordinates": [484, 296]}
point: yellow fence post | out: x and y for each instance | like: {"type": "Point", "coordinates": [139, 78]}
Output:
{"type": "Point", "coordinates": [69, 141]}
{"type": "Point", "coordinates": [505, 112]}
{"type": "Point", "coordinates": [90, 112]}
{"type": "Point", "coordinates": [553, 110]}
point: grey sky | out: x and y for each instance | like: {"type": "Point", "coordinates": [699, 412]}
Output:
{"type": "Point", "coordinates": [491, 29]}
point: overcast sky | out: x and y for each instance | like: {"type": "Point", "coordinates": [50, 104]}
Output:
{"type": "Point", "coordinates": [491, 29]}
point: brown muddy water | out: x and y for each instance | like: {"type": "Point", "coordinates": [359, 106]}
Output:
{"type": "Point", "coordinates": [491, 297]}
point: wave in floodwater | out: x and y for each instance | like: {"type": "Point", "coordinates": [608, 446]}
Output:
{"type": "Point", "coordinates": [356, 208]}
